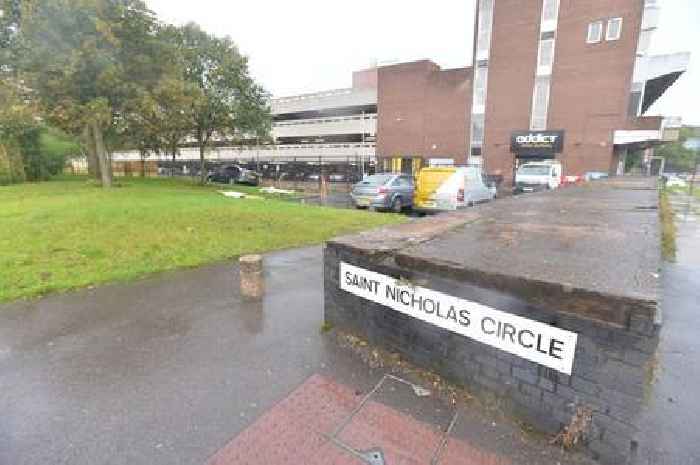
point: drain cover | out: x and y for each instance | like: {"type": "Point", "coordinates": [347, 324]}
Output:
{"type": "Point", "coordinates": [373, 457]}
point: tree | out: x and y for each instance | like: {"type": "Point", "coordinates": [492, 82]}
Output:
{"type": "Point", "coordinates": [19, 125]}
{"type": "Point", "coordinates": [161, 120]}
{"type": "Point", "coordinates": [231, 102]}
{"type": "Point", "coordinates": [678, 156]}
{"type": "Point", "coordinates": [85, 60]}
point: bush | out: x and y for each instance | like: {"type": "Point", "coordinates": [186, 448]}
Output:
{"type": "Point", "coordinates": [44, 152]}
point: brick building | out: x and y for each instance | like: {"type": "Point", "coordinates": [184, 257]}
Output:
{"type": "Point", "coordinates": [563, 79]}
{"type": "Point", "coordinates": [423, 112]}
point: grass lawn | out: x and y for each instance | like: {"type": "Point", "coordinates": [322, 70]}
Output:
{"type": "Point", "coordinates": [68, 233]}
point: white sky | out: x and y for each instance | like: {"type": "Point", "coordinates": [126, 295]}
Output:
{"type": "Point", "coordinates": [298, 46]}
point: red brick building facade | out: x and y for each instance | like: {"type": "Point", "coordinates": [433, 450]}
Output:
{"type": "Point", "coordinates": [574, 69]}
{"type": "Point", "coordinates": [423, 111]}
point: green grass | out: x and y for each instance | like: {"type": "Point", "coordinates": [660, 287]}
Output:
{"type": "Point", "coordinates": [69, 233]}
{"type": "Point", "coordinates": [668, 227]}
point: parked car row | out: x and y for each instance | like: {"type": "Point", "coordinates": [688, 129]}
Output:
{"type": "Point", "coordinates": [435, 189]}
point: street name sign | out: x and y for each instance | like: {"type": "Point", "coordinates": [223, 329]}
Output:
{"type": "Point", "coordinates": [532, 340]}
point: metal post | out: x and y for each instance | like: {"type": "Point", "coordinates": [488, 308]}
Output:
{"type": "Point", "coordinates": [320, 176]}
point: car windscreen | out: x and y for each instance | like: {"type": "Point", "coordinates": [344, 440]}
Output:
{"type": "Point", "coordinates": [376, 180]}
{"type": "Point", "coordinates": [534, 170]}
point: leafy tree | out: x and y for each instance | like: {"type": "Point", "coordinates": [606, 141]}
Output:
{"type": "Point", "coordinates": [18, 120]}
{"type": "Point", "coordinates": [678, 156]}
{"type": "Point", "coordinates": [161, 120]}
{"type": "Point", "coordinates": [85, 60]}
{"type": "Point", "coordinates": [231, 102]}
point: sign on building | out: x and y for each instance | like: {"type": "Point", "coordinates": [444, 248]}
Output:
{"type": "Point", "coordinates": [530, 144]}
{"type": "Point", "coordinates": [526, 338]}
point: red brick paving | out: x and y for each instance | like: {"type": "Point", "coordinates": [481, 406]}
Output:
{"type": "Point", "coordinates": [403, 440]}
{"type": "Point", "coordinates": [292, 432]}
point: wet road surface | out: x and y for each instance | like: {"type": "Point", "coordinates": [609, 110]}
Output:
{"type": "Point", "coordinates": [670, 423]}
{"type": "Point", "coordinates": [178, 369]}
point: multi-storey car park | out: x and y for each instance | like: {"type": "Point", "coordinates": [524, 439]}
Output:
{"type": "Point", "coordinates": [335, 127]}
{"type": "Point", "coordinates": [551, 79]}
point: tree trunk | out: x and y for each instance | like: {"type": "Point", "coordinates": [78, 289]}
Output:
{"type": "Point", "coordinates": [92, 161]}
{"type": "Point", "coordinates": [202, 172]}
{"type": "Point", "coordinates": [110, 165]}
{"type": "Point", "coordinates": [143, 164]}
{"type": "Point", "coordinates": [102, 156]}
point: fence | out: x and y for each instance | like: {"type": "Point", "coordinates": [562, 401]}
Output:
{"type": "Point", "coordinates": [298, 173]}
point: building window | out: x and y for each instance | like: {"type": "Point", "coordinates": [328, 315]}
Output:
{"type": "Point", "coordinates": [550, 10]}
{"type": "Point", "coordinates": [550, 15]}
{"type": "Point", "coordinates": [477, 130]}
{"type": "Point", "coordinates": [540, 103]}
{"type": "Point", "coordinates": [546, 55]}
{"type": "Point", "coordinates": [595, 32]}
{"type": "Point", "coordinates": [480, 83]}
{"type": "Point", "coordinates": [485, 23]}
{"type": "Point", "coordinates": [614, 29]}
{"type": "Point", "coordinates": [635, 103]}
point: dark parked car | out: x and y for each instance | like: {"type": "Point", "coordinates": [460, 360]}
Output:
{"type": "Point", "coordinates": [234, 174]}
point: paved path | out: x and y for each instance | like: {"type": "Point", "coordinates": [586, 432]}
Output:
{"type": "Point", "coordinates": [177, 369]}
{"type": "Point", "coordinates": [671, 422]}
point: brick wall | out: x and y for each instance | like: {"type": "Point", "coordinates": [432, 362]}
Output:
{"type": "Point", "coordinates": [590, 83]}
{"type": "Point", "coordinates": [511, 79]}
{"type": "Point", "coordinates": [423, 111]}
{"type": "Point", "coordinates": [611, 367]}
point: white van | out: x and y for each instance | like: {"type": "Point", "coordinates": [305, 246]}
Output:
{"type": "Point", "coordinates": [451, 188]}
{"type": "Point", "coordinates": [538, 176]}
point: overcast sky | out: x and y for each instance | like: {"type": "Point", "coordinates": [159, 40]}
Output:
{"type": "Point", "coordinates": [310, 45]}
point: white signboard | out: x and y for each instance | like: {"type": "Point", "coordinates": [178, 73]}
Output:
{"type": "Point", "coordinates": [529, 339]}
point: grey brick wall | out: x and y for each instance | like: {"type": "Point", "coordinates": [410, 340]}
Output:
{"type": "Point", "coordinates": [610, 369]}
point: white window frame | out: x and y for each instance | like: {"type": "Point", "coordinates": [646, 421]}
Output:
{"type": "Point", "coordinates": [545, 69]}
{"type": "Point", "coordinates": [485, 25]}
{"type": "Point", "coordinates": [480, 121]}
{"type": "Point", "coordinates": [549, 24]}
{"type": "Point", "coordinates": [608, 36]}
{"type": "Point", "coordinates": [543, 118]}
{"type": "Point", "coordinates": [593, 40]}
{"type": "Point", "coordinates": [481, 79]}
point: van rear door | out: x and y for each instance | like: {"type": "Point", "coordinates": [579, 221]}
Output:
{"type": "Point", "coordinates": [429, 181]}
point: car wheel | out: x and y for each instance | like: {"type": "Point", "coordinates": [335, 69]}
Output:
{"type": "Point", "coordinates": [396, 205]}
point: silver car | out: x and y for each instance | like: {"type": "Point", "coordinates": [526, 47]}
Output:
{"type": "Point", "coordinates": [384, 191]}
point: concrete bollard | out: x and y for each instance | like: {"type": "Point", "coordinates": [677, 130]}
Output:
{"type": "Point", "coordinates": [252, 280]}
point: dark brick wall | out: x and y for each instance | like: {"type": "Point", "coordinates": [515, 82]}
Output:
{"type": "Point", "coordinates": [611, 366]}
